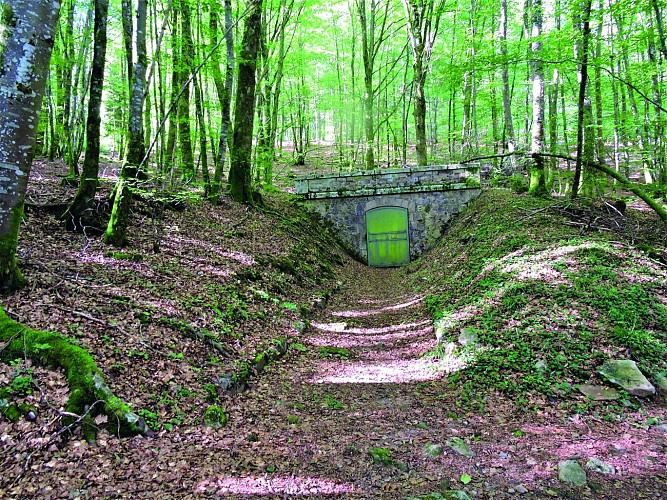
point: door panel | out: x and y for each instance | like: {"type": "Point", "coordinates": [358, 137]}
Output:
{"type": "Point", "coordinates": [387, 237]}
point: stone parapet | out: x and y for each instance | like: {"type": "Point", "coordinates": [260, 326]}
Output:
{"type": "Point", "coordinates": [389, 181]}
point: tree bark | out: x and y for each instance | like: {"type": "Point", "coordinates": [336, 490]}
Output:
{"type": "Point", "coordinates": [81, 213]}
{"type": "Point", "coordinates": [224, 97]}
{"type": "Point", "coordinates": [240, 172]}
{"type": "Point", "coordinates": [26, 43]}
{"type": "Point", "coordinates": [510, 141]}
{"type": "Point", "coordinates": [187, 161]}
{"type": "Point", "coordinates": [537, 186]}
{"type": "Point", "coordinates": [116, 233]}
{"type": "Point", "coordinates": [423, 21]}
{"type": "Point", "coordinates": [581, 103]}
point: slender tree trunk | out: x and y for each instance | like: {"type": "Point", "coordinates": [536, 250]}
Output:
{"type": "Point", "coordinates": [537, 186]}
{"type": "Point", "coordinates": [116, 233]}
{"type": "Point", "coordinates": [175, 85]}
{"type": "Point", "coordinates": [423, 20]}
{"type": "Point", "coordinates": [661, 30]}
{"type": "Point", "coordinates": [28, 28]}
{"type": "Point", "coordinates": [184, 132]}
{"type": "Point", "coordinates": [508, 133]}
{"type": "Point", "coordinates": [582, 102]}
{"type": "Point", "coordinates": [81, 214]}
{"type": "Point", "coordinates": [368, 53]}
{"type": "Point", "coordinates": [240, 172]}
{"type": "Point", "coordinates": [225, 98]}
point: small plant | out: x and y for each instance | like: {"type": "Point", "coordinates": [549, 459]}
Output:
{"type": "Point", "coordinates": [137, 354]}
{"type": "Point", "coordinates": [215, 417]}
{"type": "Point", "coordinates": [293, 419]}
{"type": "Point", "coordinates": [150, 418]}
{"type": "Point", "coordinates": [381, 456]}
{"type": "Point", "coordinates": [332, 403]}
{"type": "Point", "coordinates": [335, 352]}
{"type": "Point", "coordinates": [210, 393]}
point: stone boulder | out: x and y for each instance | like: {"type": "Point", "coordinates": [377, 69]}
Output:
{"type": "Point", "coordinates": [624, 373]}
{"type": "Point", "coordinates": [569, 471]}
{"type": "Point", "coordinates": [661, 381]}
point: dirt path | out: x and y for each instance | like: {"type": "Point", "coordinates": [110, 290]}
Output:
{"type": "Point", "coordinates": [325, 411]}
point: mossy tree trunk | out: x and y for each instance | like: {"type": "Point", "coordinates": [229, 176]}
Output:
{"type": "Point", "coordinates": [537, 185]}
{"type": "Point", "coordinates": [224, 91]}
{"type": "Point", "coordinates": [26, 43]}
{"type": "Point", "coordinates": [89, 394]}
{"type": "Point", "coordinates": [116, 233]}
{"type": "Point", "coordinates": [187, 161]}
{"type": "Point", "coordinates": [81, 214]}
{"type": "Point", "coordinates": [240, 172]}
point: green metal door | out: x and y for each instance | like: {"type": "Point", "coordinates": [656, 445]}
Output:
{"type": "Point", "coordinates": [387, 237]}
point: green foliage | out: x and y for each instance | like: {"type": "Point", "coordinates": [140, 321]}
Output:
{"type": "Point", "coordinates": [332, 402]}
{"type": "Point", "coordinates": [214, 417]}
{"type": "Point", "coordinates": [381, 456]}
{"type": "Point", "coordinates": [334, 352]}
{"type": "Point", "coordinates": [151, 418]}
{"type": "Point", "coordinates": [22, 385]}
{"type": "Point", "coordinates": [136, 257]}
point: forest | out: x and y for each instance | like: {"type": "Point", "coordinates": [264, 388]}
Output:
{"type": "Point", "coordinates": [174, 320]}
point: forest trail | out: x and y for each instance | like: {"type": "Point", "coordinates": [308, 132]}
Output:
{"type": "Point", "coordinates": [360, 383]}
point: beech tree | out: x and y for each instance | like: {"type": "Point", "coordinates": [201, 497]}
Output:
{"type": "Point", "coordinates": [81, 214]}
{"type": "Point", "coordinates": [116, 232]}
{"type": "Point", "coordinates": [25, 49]}
{"type": "Point", "coordinates": [537, 177]}
{"type": "Point", "coordinates": [423, 22]}
{"type": "Point", "coordinates": [240, 172]}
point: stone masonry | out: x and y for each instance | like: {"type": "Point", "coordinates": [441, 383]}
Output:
{"type": "Point", "coordinates": [432, 195]}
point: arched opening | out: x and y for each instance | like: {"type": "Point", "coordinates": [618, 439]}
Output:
{"type": "Point", "coordinates": [387, 237]}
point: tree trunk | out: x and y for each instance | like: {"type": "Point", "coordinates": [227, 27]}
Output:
{"type": "Point", "coordinates": [175, 88]}
{"type": "Point", "coordinates": [225, 98]}
{"type": "Point", "coordinates": [187, 162]}
{"type": "Point", "coordinates": [116, 233]}
{"type": "Point", "coordinates": [581, 103]}
{"type": "Point", "coordinates": [510, 141]}
{"type": "Point", "coordinates": [81, 214]}
{"type": "Point", "coordinates": [423, 20]}
{"type": "Point", "coordinates": [28, 32]}
{"type": "Point", "coordinates": [537, 186]}
{"type": "Point", "coordinates": [240, 172]}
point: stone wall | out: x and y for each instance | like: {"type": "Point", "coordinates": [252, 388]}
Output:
{"type": "Point", "coordinates": [432, 196]}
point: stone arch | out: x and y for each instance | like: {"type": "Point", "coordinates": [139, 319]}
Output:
{"type": "Point", "coordinates": [383, 202]}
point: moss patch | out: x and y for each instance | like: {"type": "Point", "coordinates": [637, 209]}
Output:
{"type": "Point", "coordinates": [85, 380]}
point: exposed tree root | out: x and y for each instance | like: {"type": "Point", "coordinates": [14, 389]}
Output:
{"type": "Point", "coordinates": [86, 382]}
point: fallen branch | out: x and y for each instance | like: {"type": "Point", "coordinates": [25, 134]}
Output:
{"type": "Point", "coordinates": [634, 188]}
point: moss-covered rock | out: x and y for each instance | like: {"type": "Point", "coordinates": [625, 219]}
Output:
{"type": "Point", "coordinates": [89, 394]}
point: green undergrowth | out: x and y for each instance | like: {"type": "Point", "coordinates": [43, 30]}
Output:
{"type": "Point", "coordinates": [536, 307]}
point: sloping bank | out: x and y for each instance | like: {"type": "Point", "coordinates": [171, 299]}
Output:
{"type": "Point", "coordinates": [533, 305]}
